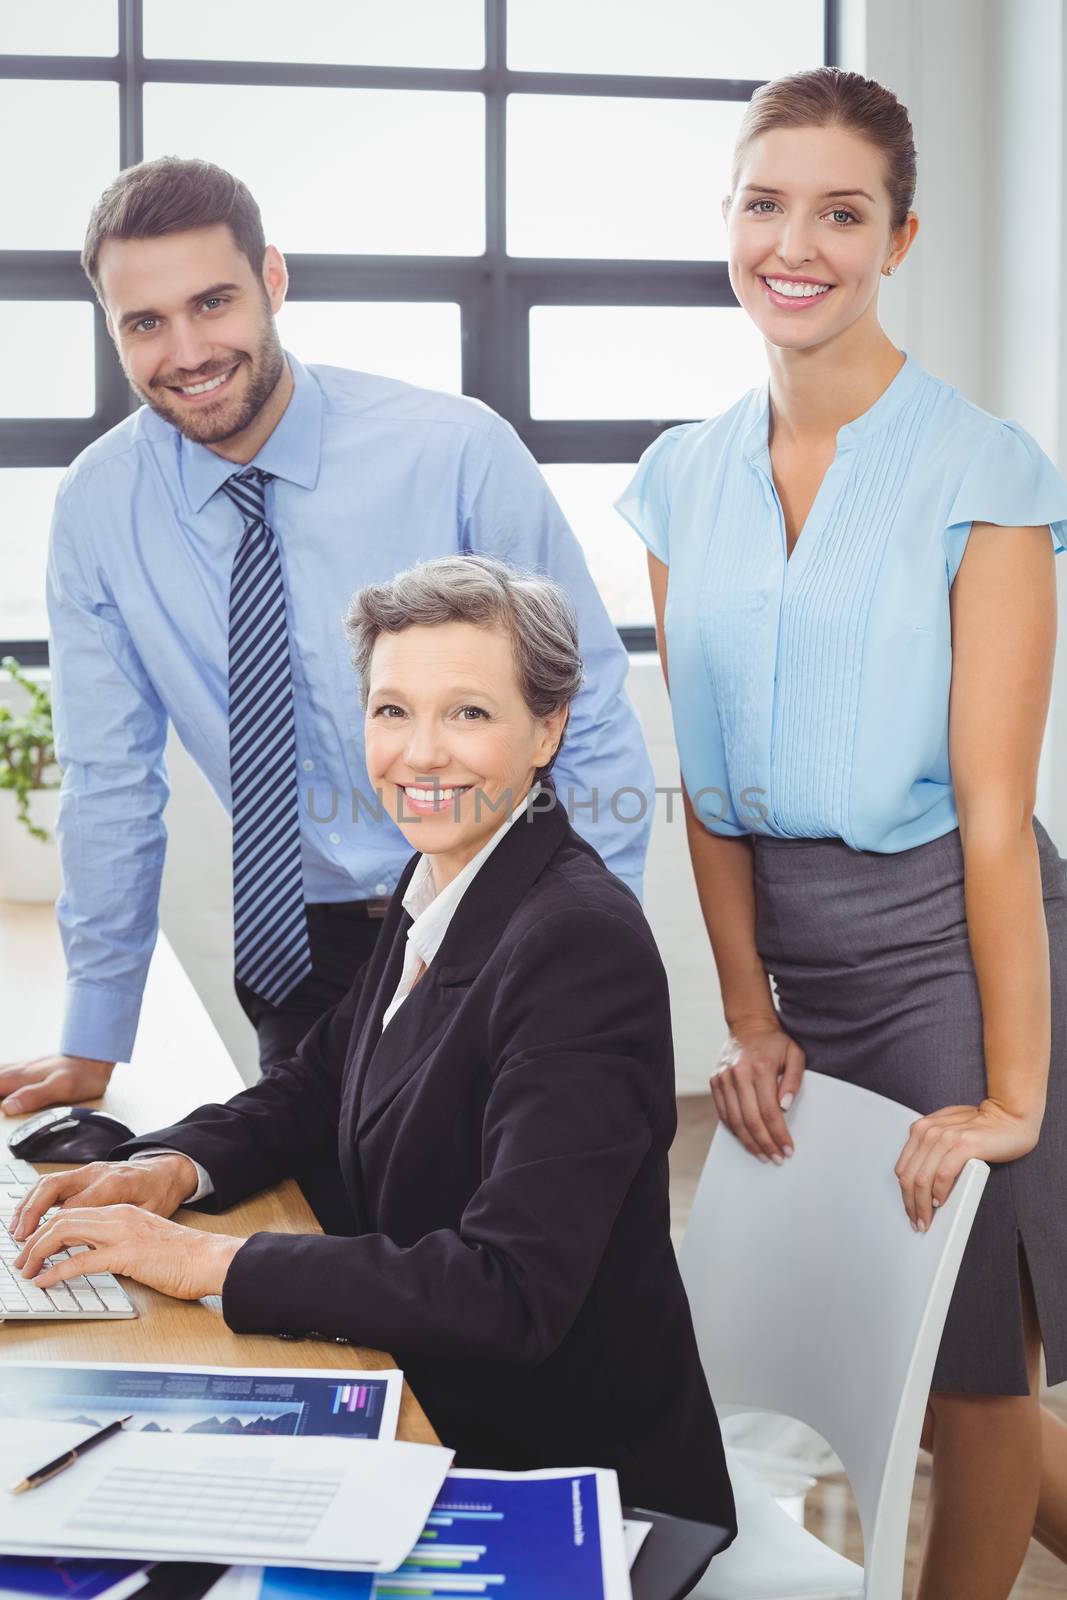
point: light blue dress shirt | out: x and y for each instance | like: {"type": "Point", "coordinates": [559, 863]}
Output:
{"type": "Point", "coordinates": [370, 476]}
{"type": "Point", "coordinates": [810, 695]}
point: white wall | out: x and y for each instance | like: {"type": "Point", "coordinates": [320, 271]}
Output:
{"type": "Point", "coordinates": [981, 298]}
{"type": "Point", "coordinates": [1026, 300]}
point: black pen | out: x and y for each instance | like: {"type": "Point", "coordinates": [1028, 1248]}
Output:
{"type": "Point", "coordinates": [49, 1470]}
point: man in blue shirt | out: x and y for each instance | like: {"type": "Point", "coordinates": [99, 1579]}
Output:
{"type": "Point", "coordinates": [153, 567]}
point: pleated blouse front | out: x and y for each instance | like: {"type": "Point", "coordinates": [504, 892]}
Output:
{"type": "Point", "coordinates": [810, 694]}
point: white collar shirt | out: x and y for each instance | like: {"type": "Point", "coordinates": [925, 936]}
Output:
{"type": "Point", "coordinates": [433, 912]}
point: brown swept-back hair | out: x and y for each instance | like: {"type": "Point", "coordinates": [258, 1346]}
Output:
{"type": "Point", "coordinates": [828, 97]}
{"type": "Point", "coordinates": [173, 195]}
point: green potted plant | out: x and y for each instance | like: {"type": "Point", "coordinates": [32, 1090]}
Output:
{"type": "Point", "coordinates": [29, 792]}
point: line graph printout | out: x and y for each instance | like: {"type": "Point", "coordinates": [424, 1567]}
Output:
{"type": "Point", "coordinates": [249, 1403]}
{"type": "Point", "coordinates": [210, 1400]}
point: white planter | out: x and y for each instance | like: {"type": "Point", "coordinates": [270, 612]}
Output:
{"type": "Point", "coordinates": [29, 868]}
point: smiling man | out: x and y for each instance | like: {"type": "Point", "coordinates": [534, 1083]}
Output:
{"type": "Point", "coordinates": [203, 552]}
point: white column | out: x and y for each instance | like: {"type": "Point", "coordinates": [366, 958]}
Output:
{"type": "Point", "coordinates": [982, 299]}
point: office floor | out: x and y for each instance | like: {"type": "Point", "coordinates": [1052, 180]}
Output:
{"type": "Point", "coordinates": [830, 1512]}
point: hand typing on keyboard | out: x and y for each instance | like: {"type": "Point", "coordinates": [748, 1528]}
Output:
{"type": "Point", "coordinates": [87, 1294]}
{"type": "Point", "coordinates": [126, 1239]}
{"type": "Point", "coordinates": [161, 1185]}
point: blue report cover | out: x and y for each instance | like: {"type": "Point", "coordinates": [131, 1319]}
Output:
{"type": "Point", "coordinates": [55, 1579]}
{"type": "Point", "coordinates": [522, 1536]}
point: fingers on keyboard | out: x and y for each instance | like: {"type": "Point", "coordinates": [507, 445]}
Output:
{"type": "Point", "coordinates": [96, 1294]}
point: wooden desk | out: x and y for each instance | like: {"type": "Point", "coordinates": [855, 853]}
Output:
{"type": "Point", "coordinates": [179, 1062]}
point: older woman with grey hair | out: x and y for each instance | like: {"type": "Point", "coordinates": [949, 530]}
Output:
{"type": "Point", "coordinates": [498, 1085]}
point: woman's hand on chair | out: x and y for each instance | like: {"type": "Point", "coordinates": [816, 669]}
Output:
{"type": "Point", "coordinates": [940, 1145]}
{"type": "Point", "coordinates": [754, 1084]}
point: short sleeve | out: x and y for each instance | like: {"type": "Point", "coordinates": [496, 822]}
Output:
{"type": "Point", "coordinates": [1009, 481]}
{"type": "Point", "coordinates": [646, 502]}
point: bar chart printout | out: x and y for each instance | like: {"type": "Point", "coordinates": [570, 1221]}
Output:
{"type": "Point", "coordinates": [515, 1536]}
{"type": "Point", "coordinates": [349, 1398]}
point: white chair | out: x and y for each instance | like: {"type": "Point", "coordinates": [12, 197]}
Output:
{"type": "Point", "coordinates": [813, 1297]}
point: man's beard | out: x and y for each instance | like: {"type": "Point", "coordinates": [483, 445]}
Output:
{"type": "Point", "coordinates": [213, 424]}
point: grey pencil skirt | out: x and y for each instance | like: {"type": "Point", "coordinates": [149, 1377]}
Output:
{"type": "Point", "coordinates": [872, 963]}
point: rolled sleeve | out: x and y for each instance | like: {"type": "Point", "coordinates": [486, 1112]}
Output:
{"type": "Point", "coordinates": [99, 1022]}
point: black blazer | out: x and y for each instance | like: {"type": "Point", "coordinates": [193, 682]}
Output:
{"type": "Point", "coordinates": [504, 1147]}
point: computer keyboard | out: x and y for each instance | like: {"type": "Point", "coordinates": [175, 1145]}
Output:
{"type": "Point", "coordinates": [93, 1295]}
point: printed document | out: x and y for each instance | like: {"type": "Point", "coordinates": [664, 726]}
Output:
{"type": "Point", "coordinates": [333, 1503]}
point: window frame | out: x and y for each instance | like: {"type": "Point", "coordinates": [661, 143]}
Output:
{"type": "Point", "coordinates": [494, 290]}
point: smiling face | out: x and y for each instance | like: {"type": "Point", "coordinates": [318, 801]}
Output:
{"type": "Point", "coordinates": [810, 232]}
{"type": "Point", "coordinates": [450, 742]}
{"type": "Point", "coordinates": [194, 328]}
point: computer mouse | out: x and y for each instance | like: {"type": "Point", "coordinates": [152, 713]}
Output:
{"type": "Point", "coordinates": [68, 1133]}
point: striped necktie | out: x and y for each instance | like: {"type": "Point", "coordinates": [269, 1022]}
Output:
{"type": "Point", "coordinates": [271, 949]}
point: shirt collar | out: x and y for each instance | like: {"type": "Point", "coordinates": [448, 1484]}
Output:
{"type": "Point", "coordinates": [433, 912]}
{"type": "Point", "coordinates": [892, 398]}
{"type": "Point", "coordinates": [292, 452]}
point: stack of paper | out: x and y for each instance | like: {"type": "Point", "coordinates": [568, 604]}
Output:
{"type": "Point", "coordinates": [348, 1504]}
{"type": "Point", "coordinates": [205, 1472]}
{"type": "Point", "coordinates": [197, 1400]}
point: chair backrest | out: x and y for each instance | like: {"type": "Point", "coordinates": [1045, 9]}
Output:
{"type": "Point", "coordinates": [813, 1297]}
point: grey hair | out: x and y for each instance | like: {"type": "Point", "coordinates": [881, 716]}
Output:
{"type": "Point", "coordinates": [534, 611]}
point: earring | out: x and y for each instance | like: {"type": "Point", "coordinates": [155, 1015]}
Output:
{"type": "Point", "coordinates": [889, 271]}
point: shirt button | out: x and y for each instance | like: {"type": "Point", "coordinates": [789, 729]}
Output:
{"type": "Point", "coordinates": [308, 766]}
{"type": "Point", "coordinates": [335, 838]}
{"type": "Point", "coordinates": [381, 888]}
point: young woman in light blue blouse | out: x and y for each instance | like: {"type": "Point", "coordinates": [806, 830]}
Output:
{"type": "Point", "coordinates": [855, 595]}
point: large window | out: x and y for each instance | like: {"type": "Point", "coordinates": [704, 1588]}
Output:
{"type": "Point", "coordinates": [516, 198]}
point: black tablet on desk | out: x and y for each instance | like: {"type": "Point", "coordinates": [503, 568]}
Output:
{"type": "Point", "coordinates": [673, 1556]}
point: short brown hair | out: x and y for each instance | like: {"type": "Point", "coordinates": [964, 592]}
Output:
{"type": "Point", "coordinates": [172, 195]}
{"type": "Point", "coordinates": [830, 97]}
{"type": "Point", "coordinates": [534, 611]}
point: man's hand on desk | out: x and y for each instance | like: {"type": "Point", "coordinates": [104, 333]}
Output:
{"type": "Point", "coordinates": [52, 1081]}
{"type": "Point", "coordinates": [135, 1244]}
{"type": "Point", "coordinates": [160, 1185]}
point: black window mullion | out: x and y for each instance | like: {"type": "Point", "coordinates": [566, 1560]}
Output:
{"type": "Point", "coordinates": [487, 330]}
{"type": "Point", "coordinates": [597, 85]}
{"type": "Point", "coordinates": [114, 398]}
{"type": "Point", "coordinates": [131, 82]}
{"type": "Point", "coordinates": [495, 292]}
{"type": "Point", "coordinates": [831, 32]}
{"type": "Point", "coordinates": [588, 442]}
